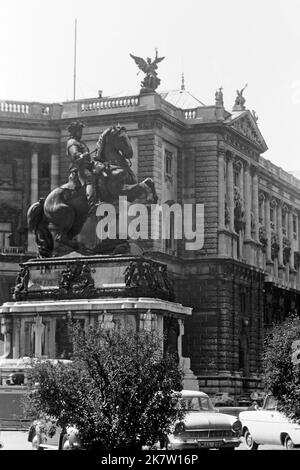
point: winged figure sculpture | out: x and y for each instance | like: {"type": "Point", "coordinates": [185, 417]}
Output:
{"type": "Point", "coordinates": [149, 67]}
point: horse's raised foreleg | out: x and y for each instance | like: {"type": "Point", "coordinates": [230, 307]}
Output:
{"type": "Point", "coordinates": [150, 183]}
{"type": "Point", "coordinates": [135, 191]}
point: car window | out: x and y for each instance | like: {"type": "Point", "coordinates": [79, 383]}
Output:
{"type": "Point", "coordinates": [196, 404]}
{"type": "Point", "coordinates": [271, 403]}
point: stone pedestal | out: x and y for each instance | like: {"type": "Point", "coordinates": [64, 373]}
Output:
{"type": "Point", "coordinates": [117, 291]}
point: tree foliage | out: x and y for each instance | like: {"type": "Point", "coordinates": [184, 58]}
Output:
{"type": "Point", "coordinates": [282, 376]}
{"type": "Point", "coordinates": [117, 391]}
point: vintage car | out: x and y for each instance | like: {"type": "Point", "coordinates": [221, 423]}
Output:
{"type": "Point", "coordinates": [203, 426]}
{"type": "Point", "coordinates": [222, 399]}
{"type": "Point", "coordinates": [45, 435]}
{"type": "Point", "coordinates": [268, 426]}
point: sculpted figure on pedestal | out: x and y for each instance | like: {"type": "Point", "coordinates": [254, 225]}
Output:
{"type": "Point", "coordinates": [101, 179]}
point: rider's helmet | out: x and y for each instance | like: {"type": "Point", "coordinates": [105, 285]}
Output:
{"type": "Point", "coordinates": [74, 126]}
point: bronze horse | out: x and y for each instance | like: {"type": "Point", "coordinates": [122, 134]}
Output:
{"type": "Point", "coordinates": [67, 207]}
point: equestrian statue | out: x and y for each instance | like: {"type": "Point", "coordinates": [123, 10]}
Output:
{"type": "Point", "coordinates": [92, 181]}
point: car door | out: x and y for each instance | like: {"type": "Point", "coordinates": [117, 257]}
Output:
{"type": "Point", "coordinates": [260, 423]}
{"type": "Point", "coordinates": [278, 422]}
{"type": "Point", "coordinates": [273, 422]}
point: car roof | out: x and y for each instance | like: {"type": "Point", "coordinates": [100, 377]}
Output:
{"type": "Point", "coordinates": [192, 393]}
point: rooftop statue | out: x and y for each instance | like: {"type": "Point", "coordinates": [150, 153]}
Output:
{"type": "Point", "coordinates": [219, 97]}
{"type": "Point", "coordinates": [149, 67]}
{"type": "Point", "coordinates": [240, 100]}
{"type": "Point", "coordinates": [92, 180]}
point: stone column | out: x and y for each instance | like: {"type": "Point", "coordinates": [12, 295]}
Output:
{"type": "Point", "coordinates": [6, 327]}
{"type": "Point", "coordinates": [291, 239]}
{"type": "Point", "coordinates": [230, 191]}
{"type": "Point", "coordinates": [255, 202]}
{"type": "Point", "coordinates": [261, 198]}
{"type": "Point", "coordinates": [34, 190]}
{"type": "Point", "coordinates": [221, 194]}
{"type": "Point", "coordinates": [38, 329]}
{"type": "Point", "coordinates": [54, 166]}
{"type": "Point", "coordinates": [17, 336]}
{"type": "Point", "coordinates": [242, 192]}
{"type": "Point", "coordinates": [247, 190]}
{"type": "Point", "coordinates": [279, 233]}
{"type": "Point", "coordinates": [268, 226]}
{"type": "Point", "coordinates": [34, 183]}
{"type": "Point", "coordinates": [190, 381]}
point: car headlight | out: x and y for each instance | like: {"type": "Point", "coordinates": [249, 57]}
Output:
{"type": "Point", "coordinates": [179, 428]}
{"type": "Point", "coordinates": [237, 427]}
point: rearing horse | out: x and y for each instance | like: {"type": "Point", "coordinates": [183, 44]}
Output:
{"type": "Point", "coordinates": [67, 207]}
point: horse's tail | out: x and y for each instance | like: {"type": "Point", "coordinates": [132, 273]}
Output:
{"type": "Point", "coordinates": [35, 215]}
{"type": "Point", "coordinates": [39, 225]}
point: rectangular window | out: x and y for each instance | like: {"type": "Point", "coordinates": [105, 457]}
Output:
{"type": "Point", "coordinates": [243, 302]}
{"type": "Point", "coordinates": [5, 234]}
{"type": "Point", "coordinates": [168, 162]}
{"type": "Point", "coordinates": [236, 178]}
{"type": "Point", "coordinates": [295, 223]}
{"type": "Point", "coordinates": [261, 213]}
{"type": "Point", "coordinates": [170, 243]}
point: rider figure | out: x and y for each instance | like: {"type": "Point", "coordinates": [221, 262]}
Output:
{"type": "Point", "coordinates": [79, 154]}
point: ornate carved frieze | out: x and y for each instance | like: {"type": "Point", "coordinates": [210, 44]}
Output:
{"type": "Point", "coordinates": [243, 126]}
{"type": "Point", "coordinates": [242, 147]}
{"type": "Point", "coordinates": [141, 273]}
{"type": "Point", "coordinates": [77, 277]}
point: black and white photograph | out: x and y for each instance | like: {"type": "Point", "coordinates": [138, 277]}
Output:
{"type": "Point", "coordinates": [149, 229]}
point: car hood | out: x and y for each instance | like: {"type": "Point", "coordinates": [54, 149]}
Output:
{"type": "Point", "coordinates": [205, 420]}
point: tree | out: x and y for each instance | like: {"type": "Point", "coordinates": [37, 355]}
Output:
{"type": "Point", "coordinates": [282, 374]}
{"type": "Point", "coordinates": [117, 391]}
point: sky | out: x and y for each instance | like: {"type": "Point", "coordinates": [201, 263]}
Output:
{"type": "Point", "coordinates": [215, 43]}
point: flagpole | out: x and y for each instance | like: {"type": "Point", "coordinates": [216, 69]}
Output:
{"type": "Point", "coordinates": [75, 53]}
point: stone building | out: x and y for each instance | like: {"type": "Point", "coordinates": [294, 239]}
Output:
{"type": "Point", "coordinates": [246, 275]}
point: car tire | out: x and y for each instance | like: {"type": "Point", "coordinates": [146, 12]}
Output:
{"type": "Point", "coordinates": [249, 441]}
{"type": "Point", "coordinates": [164, 443]}
{"type": "Point", "coordinates": [288, 443]}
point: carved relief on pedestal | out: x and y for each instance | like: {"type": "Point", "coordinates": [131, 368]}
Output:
{"type": "Point", "coordinates": [148, 321]}
{"type": "Point", "coordinates": [22, 280]}
{"type": "Point", "coordinates": [106, 321]}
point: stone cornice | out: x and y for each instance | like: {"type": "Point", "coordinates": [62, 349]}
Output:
{"type": "Point", "coordinates": [94, 305]}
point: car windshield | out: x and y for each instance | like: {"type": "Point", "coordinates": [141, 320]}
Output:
{"type": "Point", "coordinates": [196, 404]}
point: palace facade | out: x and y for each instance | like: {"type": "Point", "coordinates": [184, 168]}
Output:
{"type": "Point", "coordinates": [247, 274]}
